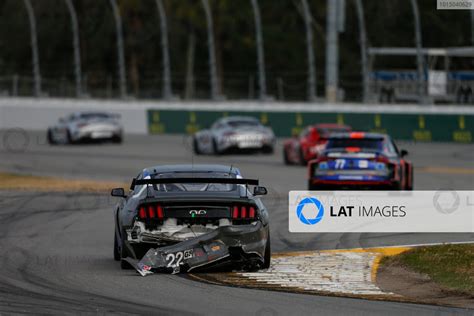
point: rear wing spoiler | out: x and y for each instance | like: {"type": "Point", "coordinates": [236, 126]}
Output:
{"type": "Point", "coordinates": [136, 182]}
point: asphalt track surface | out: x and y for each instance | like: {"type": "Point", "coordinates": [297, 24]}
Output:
{"type": "Point", "coordinates": [57, 247]}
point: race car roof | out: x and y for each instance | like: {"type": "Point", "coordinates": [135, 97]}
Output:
{"type": "Point", "coordinates": [238, 118]}
{"type": "Point", "coordinates": [190, 168]}
{"type": "Point", "coordinates": [200, 168]}
{"type": "Point", "coordinates": [360, 135]}
{"type": "Point", "coordinates": [330, 125]}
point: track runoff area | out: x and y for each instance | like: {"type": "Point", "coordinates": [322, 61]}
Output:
{"type": "Point", "coordinates": [320, 262]}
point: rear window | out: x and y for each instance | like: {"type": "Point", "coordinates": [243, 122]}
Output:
{"type": "Point", "coordinates": [87, 116]}
{"type": "Point", "coordinates": [194, 187]}
{"type": "Point", "coordinates": [243, 123]}
{"type": "Point", "coordinates": [325, 132]}
{"type": "Point", "coordinates": [374, 144]}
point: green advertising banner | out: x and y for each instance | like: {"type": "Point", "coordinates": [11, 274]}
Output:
{"type": "Point", "coordinates": [418, 127]}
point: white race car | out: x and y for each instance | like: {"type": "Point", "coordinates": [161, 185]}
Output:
{"type": "Point", "coordinates": [234, 133]}
{"type": "Point", "coordinates": [86, 126]}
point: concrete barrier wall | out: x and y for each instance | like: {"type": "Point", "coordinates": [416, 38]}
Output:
{"type": "Point", "coordinates": [405, 126]}
{"type": "Point", "coordinates": [409, 122]}
{"type": "Point", "coordinates": [38, 114]}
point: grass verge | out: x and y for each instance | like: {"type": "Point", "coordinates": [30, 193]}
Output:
{"type": "Point", "coordinates": [10, 181]}
{"type": "Point", "coordinates": [450, 266]}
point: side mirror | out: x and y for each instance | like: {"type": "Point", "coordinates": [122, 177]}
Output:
{"type": "Point", "coordinates": [260, 191]}
{"type": "Point", "coordinates": [403, 152]}
{"type": "Point", "coordinates": [118, 192]}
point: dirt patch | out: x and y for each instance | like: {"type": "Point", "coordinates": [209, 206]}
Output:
{"type": "Point", "coordinates": [398, 279]}
{"type": "Point", "coordinates": [10, 181]}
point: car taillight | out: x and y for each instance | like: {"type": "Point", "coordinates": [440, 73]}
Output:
{"type": "Point", "coordinates": [235, 212]}
{"type": "Point", "coordinates": [252, 212]}
{"type": "Point", "coordinates": [142, 213]}
{"type": "Point", "coordinates": [382, 159]}
{"type": "Point", "coordinates": [352, 149]}
{"type": "Point", "coordinates": [159, 212]}
{"type": "Point", "coordinates": [357, 135]}
{"type": "Point", "coordinates": [243, 212]}
{"type": "Point", "coordinates": [150, 211]}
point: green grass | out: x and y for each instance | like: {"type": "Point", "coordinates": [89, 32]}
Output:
{"type": "Point", "coordinates": [451, 266]}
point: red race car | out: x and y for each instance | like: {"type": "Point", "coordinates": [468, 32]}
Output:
{"type": "Point", "coordinates": [311, 141]}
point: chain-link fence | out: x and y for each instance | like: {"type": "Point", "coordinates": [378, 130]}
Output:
{"type": "Point", "coordinates": [250, 50]}
{"type": "Point", "coordinates": [292, 87]}
{"type": "Point", "coordinates": [237, 86]}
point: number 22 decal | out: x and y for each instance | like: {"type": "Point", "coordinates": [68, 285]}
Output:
{"type": "Point", "coordinates": [174, 259]}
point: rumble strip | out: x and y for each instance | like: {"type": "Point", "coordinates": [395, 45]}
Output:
{"type": "Point", "coordinates": [333, 272]}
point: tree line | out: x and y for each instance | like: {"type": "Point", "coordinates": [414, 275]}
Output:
{"type": "Point", "coordinates": [388, 23]}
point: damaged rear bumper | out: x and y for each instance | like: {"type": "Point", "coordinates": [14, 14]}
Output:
{"type": "Point", "coordinates": [241, 246]}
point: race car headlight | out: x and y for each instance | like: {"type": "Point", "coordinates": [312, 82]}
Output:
{"type": "Point", "coordinates": [380, 166]}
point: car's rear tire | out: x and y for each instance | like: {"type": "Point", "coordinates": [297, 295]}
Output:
{"type": "Point", "coordinates": [214, 147]}
{"type": "Point", "coordinates": [311, 187]}
{"type": "Point", "coordinates": [116, 250]}
{"type": "Point", "coordinates": [397, 186]}
{"type": "Point", "coordinates": [117, 140]}
{"type": "Point", "coordinates": [268, 150]}
{"type": "Point", "coordinates": [124, 253]}
{"type": "Point", "coordinates": [409, 186]}
{"type": "Point", "coordinates": [286, 159]}
{"type": "Point", "coordinates": [68, 137]}
{"type": "Point", "coordinates": [196, 149]}
{"type": "Point", "coordinates": [50, 138]}
{"type": "Point", "coordinates": [303, 161]}
{"type": "Point", "coordinates": [267, 258]}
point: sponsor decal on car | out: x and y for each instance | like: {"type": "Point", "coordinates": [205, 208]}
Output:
{"type": "Point", "coordinates": [195, 213]}
{"type": "Point", "coordinates": [188, 254]}
{"type": "Point", "coordinates": [144, 267]}
{"type": "Point", "coordinates": [198, 252]}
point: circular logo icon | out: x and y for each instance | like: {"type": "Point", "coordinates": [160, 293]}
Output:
{"type": "Point", "coordinates": [319, 210]}
{"type": "Point", "coordinates": [446, 208]}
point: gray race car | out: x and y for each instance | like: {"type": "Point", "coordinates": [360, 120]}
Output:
{"type": "Point", "coordinates": [86, 126]}
{"type": "Point", "coordinates": [234, 133]}
{"type": "Point", "coordinates": [180, 218]}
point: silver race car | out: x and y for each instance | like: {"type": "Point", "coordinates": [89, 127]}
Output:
{"type": "Point", "coordinates": [180, 218]}
{"type": "Point", "coordinates": [86, 126]}
{"type": "Point", "coordinates": [234, 133]}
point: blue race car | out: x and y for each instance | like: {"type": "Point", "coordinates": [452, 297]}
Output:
{"type": "Point", "coordinates": [359, 160]}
